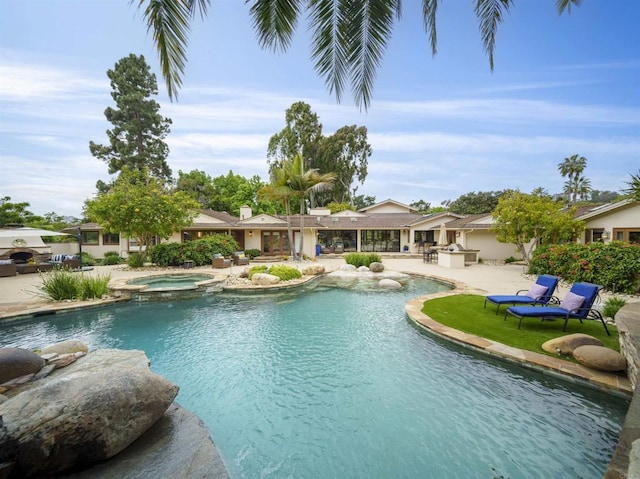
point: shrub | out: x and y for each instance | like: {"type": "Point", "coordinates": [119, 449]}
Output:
{"type": "Point", "coordinates": [60, 284]}
{"type": "Point", "coordinates": [612, 306]}
{"type": "Point", "coordinates": [93, 286]}
{"type": "Point", "coordinates": [111, 257]}
{"type": "Point", "coordinates": [135, 260]}
{"type": "Point", "coordinates": [510, 259]}
{"type": "Point", "coordinates": [88, 260]}
{"type": "Point", "coordinates": [256, 269]}
{"type": "Point", "coordinates": [252, 253]}
{"type": "Point", "coordinates": [362, 259]}
{"type": "Point", "coordinates": [199, 251]}
{"type": "Point", "coordinates": [615, 265]}
{"type": "Point", "coordinates": [285, 273]}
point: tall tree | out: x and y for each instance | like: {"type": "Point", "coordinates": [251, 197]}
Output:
{"type": "Point", "coordinates": [475, 203]}
{"type": "Point", "coordinates": [528, 220]}
{"type": "Point", "coordinates": [362, 201]}
{"type": "Point", "coordinates": [302, 133]}
{"type": "Point", "coordinates": [349, 37]}
{"type": "Point", "coordinates": [422, 206]}
{"type": "Point", "coordinates": [198, 185]}
{"type": "Point", "coordinates": [14, 213]}
{"type": "Point", "coordinates": [345, 153]}
{"type": "Point", "coordinates": [599, 196]}
{"type": "Point", "coordinates": [142, 207]}
{"type": "Point", "coordinates": [576, 186]}
{"type": "Point", "coordinates": [137, 138]}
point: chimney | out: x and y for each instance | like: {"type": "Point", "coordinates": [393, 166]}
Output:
{"type": "Point", "coordinates": [245, 212]}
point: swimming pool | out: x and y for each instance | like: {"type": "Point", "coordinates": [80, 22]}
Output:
{"type": "Point", "coordinates": [333, 381]}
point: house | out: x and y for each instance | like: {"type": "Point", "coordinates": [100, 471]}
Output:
{"type": "Point", "coordinates": [385, 227]}
{"type": "Point", "coordinates": [618, 221]}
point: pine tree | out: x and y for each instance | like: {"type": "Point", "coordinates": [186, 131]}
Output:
{"type": "Point", "coordinates": [136, 139]}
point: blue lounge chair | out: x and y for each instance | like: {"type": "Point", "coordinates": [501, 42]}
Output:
{"type": "Point", "coordinates": [541, 293]}
{"type": "Point", "coordinates": [577, 304]}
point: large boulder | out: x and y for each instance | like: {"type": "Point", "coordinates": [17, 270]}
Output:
{"type": "Point", "coordinates": [313, 269]}
{"type": "Point", "coordinates": [363, 269]}
{"type": "Point", "coordinates": [349, 268]}
{"type": "Point", "coordinates": [600, 358]}
{"type": "Point", "coordinates": [376, 267]}
{"type": "Point", "coordinates": [66, 347]}
{"type": "Point", "coordinates": [568, 343]}
{"type": "Point", "coordinates": [16, 362]}
{"type": "Point", "coordinates": [82, 414]}
{"type": "Point", "coordinates": [264, 279]}
{"type": "Point", "coordinates": [178, 445]}
{"type": "Point", "coordinates": [389, 284]}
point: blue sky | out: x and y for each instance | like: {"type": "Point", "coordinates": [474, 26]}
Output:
{"type": "Point", "coordinates": [439, 127]}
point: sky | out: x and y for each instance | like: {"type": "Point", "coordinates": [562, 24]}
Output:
{"type": "Point", "coordinates": [439, 127]}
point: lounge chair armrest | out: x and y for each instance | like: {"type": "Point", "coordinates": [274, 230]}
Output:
{"type": "Point", "coordinates": [521, 291]}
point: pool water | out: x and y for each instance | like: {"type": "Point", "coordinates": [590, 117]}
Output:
{"type": "Point", "coordinates": [171, 281]}
{"type": "Point", "coordinates": [333, 381]}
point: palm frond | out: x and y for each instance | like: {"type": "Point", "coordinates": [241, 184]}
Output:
{"type": "Point", "coordinates": [329, 24]}
{"type": "Point", "coordinates": [199, 5]}
{"type": "Point", "coordinates": [429, 10]}
{"type": "Point", "coordinates": [562, 5]}
{"type": "Point", "coordinates": [274, 22]}
{"type": "Point", "coordinates": [369, 30]}
{"type": "Point", "coordinates": [169, 21]}
{"type": "Point", "coordinates": [490, 14]}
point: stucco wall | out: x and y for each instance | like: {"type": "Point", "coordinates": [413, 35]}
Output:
{"type": "Point", "coordinates": [489, 248]}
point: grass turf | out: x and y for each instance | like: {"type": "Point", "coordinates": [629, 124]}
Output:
{"type": "Point", "coordinates": [465, 312]}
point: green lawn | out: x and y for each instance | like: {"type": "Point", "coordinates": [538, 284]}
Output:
{"type": "Point", "coordinates": [465, 312]}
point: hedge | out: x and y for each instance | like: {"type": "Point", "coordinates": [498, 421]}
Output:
{"type": "Point", "coordinates": [615, 265]}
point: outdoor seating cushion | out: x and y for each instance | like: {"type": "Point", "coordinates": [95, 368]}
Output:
{"type": "Point", "coordinates": [6, 261]}
{"type": "Point", "coordinates": [536, 291]}
{"type": "Point", "coordinates": [572, 301]}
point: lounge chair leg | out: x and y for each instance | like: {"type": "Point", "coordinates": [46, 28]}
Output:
{"type": "Point", "coordinates": [520, 323]}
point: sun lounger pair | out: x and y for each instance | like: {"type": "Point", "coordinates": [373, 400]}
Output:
{"type": "Point", "coordinates": [577, 303]}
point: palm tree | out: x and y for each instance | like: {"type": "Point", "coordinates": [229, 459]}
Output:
{"type": "Point", "coordinates": [279, 190]}
{"type": "Point", "coordinates": [301, 183]}
{"type": "Point", "coordinates": [576, 185]}
{"type": "Point", "coordinates": [349, 37]}
{"type": "Point", "coordinates": [633, 192]}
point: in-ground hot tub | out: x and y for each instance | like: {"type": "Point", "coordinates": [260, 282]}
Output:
{"type": "Point", "coordinates": [168, 286]}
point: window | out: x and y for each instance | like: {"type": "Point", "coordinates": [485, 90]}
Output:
{"type": "Point", "coordinates": [383, 241]}
{"type": "Point", "coordinates": [111, 238]}
{"type": "Point", "coordinates": [424, 236]}
{"type": "Point", "coordinates": [345, 238]}
{"type": "Point", "coordinates": [90, 237]}
{"type": "Point", "coordinates": [632, 235]}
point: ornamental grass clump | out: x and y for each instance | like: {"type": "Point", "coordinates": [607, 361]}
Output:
{"type": "Point", "coordinates": [91, 287]}
{"type": "Point", "coordinates": [63, 285]}
{"type": "Point", "coordinates": [60, 285]}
